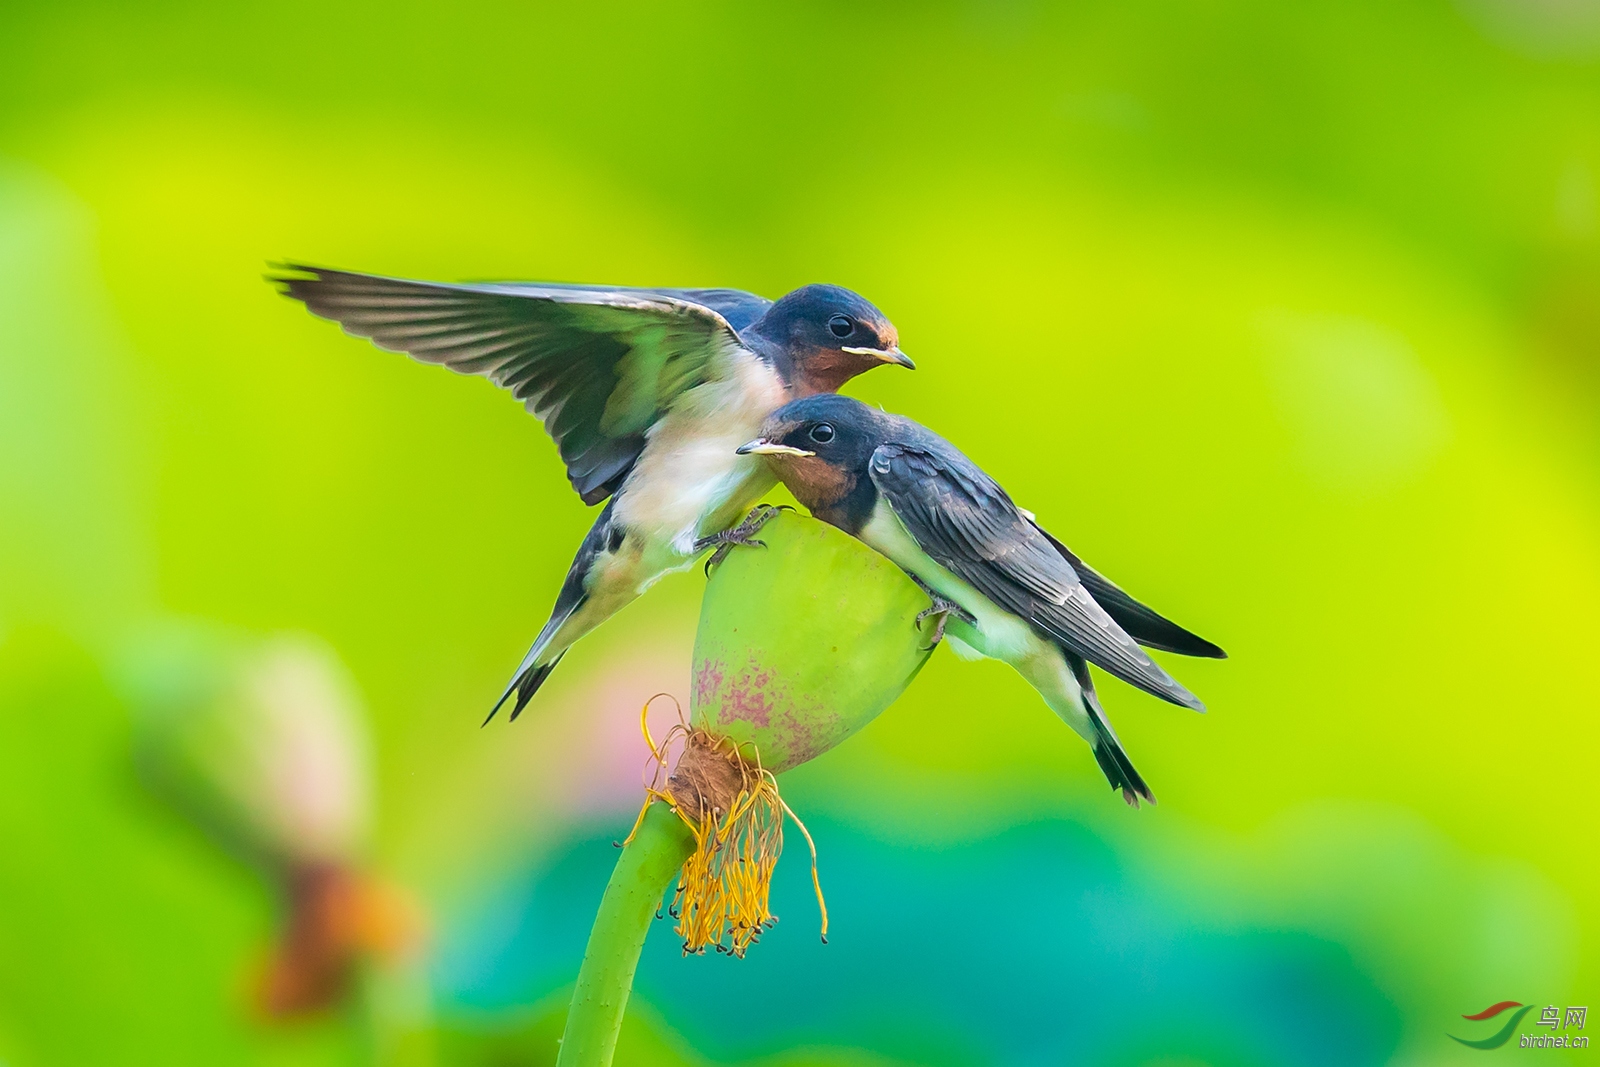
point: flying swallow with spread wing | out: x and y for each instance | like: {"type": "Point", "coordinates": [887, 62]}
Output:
{"type": "Point", "coordinates": [647, 393]}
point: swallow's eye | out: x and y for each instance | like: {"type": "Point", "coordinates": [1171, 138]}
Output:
{"type": "Point", "coordinates": [822, 433]}
{"type": "Point", "coordinates": [841, 326]}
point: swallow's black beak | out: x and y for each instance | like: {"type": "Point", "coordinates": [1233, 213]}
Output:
{"type": "Point", "coordinates": [883, 355]}
{"type": "Point", "coordinates": [762, 447]}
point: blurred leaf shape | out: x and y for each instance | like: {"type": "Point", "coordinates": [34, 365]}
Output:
{"type": "Point", "coordinates": [262, 741]}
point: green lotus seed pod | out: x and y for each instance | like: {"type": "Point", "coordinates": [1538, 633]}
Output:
{"type": "Point", "coordinates": [803, 642]}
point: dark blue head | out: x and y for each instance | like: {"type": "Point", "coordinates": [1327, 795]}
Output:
{"type": "Point", "coordinates": [820, 447]}
{"type": "Point", "coordinates": [827, 335]}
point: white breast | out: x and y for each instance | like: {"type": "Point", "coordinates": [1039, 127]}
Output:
{"type": "Point", "coordinates": [688, 481]}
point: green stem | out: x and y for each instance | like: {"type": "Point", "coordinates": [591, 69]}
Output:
{"type": "Point", "coordinates": [645, 869]}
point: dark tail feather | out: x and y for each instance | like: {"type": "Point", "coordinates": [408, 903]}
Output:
{"type": "Point", "coordinates": [1119, 771]}
{"type": "Point", "coordinates": [530, 684]}
{"type": "Point", "coordinates": [524, 685]}
{"type": "Point", "coordinates": [1108, 751]}
{"type": "Point", "coordinates": [530, 674]}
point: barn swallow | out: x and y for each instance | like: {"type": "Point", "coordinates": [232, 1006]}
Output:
{"type": "Point", "coordinates": [1006, 588]}
{"type": "Point", "coordinates": [646, 392]}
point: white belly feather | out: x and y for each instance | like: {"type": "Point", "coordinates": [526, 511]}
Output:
{"type": "Point", "coordinates": [688, 481]}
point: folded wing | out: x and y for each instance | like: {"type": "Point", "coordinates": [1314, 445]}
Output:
{"type": "Point", "coordinates": [598, 367]}
{"type": "Point", "coordinates": [1143, 623]}
{"type": "Point", "coordinates": [967, 523]}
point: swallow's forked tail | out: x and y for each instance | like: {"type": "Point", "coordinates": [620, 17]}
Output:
{"type": "Point", "coordinates": [525, 684]}
{"type": "Point", "coordinates": [1108, 751]}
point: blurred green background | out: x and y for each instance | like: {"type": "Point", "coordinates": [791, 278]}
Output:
{"type": "Point", "coordinates": [1286, 316]}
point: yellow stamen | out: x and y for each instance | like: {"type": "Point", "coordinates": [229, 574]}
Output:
{"type": "Point", "coordinates": [651, 793]}
{"type": "Point", "coordinates": [816, 882]}
{"type": "Point", "coordinates": [723, 891]}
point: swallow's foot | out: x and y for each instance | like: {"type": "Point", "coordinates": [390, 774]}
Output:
{"type": "Point", "coordinates": [940, 610]}
{"type": "Point", "coordinates": [742, 534]}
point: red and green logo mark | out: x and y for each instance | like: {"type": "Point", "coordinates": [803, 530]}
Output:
{"type": "Point", "coordinates": [1501, 1036]}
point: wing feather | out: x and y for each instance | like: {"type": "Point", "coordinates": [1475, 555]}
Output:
{"type": "Point", "coordinates": [1142, 622]}
{"type": "Point", "coordinates": [598, 367]}
{"type": "Point", "coordinates": [967, 523]}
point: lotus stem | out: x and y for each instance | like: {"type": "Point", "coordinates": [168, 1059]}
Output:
{"type": "Point", "coordinates": [647, 867]}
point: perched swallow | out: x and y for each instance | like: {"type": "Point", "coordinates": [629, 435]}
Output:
{"type": "Point", "coordinates": [647, 393]}
{"type": "Point", "coordinates": [1006, 588]}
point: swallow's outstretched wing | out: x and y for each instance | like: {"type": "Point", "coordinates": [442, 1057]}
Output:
{"type": "Point", "coordinates": [597, 366]}
{"type": "Point", "coordinates": [966, 522]}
